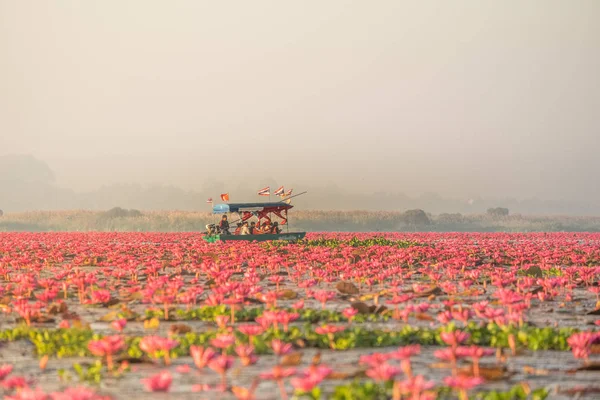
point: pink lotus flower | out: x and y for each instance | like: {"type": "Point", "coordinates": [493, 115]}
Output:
{"type": "Point", "coordinates": [183, 369]}
{"type": "Point", "coordinates": [278, 373]}
{"type": "Point", "coordinates": [581, 344]}
{"type": "Point", "coordinates": [415, 386]}
{"type": "Point", "coordinates": [221, 321]}
{"type": "Point", "coordinates": [305, 383]}
{"type": "Point", "coordinates": [77, 393]}
{"type": "Point", "coordinates": [246, 354]}
{"type": "Point", "coordinates": [323, 297]}
{"type": "Point", "coordinates": [14, 382]}
{"type": "Point", "coordinates": [251, 331]}
{"type": "Point", "coordinates": [243, 393]}
{"type": "Point", "coordinates": [106, 347]}
{"type": "Point", "coordinates": [349, 313]}
{"type": "Point", "coordinates": [454, 338]}
{"type": "Point", "coordinates": [462, 384]}
{"type": "Point", "coordinates": [29, 394]}
{"type": "Point", "coordinates": [160, 382]}
{"type": "Point", "coordinates": [221, 364]}
{"type": "Point", "coordinates": [330, 331]}
{"type": "Point", "coordinates": [475, 352]}
{"type": "Point", "coordinates": [223, 341]}
{"type": "Point", "coordinates": [100, 296]}
{"type": "Point", "coordinates": [155, 344]}
{"type": "Point", "coordinates": [280, 348]}
{"type": "Point", "coordinates": [299, 305]}
{"type": "Point", "coordinates": [5, 369]}
{"type": "Point", "coordinates": [383, 372]}
{"type": "Point", "coordinates": [64, 324]}
{"type": "Point", "coordinates": [201, 355]}
{"type": "Point", "coordinates": [404, 354]}
{"type": "Point", "coordinates": [119, 324]}
{"type": "Point", "coordinates": [374, 359]}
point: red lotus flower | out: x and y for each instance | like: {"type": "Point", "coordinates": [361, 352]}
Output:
{"type": "Point", "coordinates": [160, 382]}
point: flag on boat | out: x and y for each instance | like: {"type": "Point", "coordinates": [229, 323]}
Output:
{"type": "Point", "coordinates": [209, 200]}
{"type": "Point", "coordinates": [264, 191]}
{"type": "Point", "coordinates": [288, 193]}
{"type": "Point", "coordinates": [279, 192]}
{"type": "Point", "coordinates": [225, 196]}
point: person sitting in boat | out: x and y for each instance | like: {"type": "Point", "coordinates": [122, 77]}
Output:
{"type": "Point", "coordinates": [245, 230]}
{"type": "Point", "coordinates": [238, 229]}
{"type": "Point", "coordinates": [211, 229]}
{"type": "Point", "coordinates": [261, 229]}
{"type": "Point", "coordinates": [276, 229]}
{"type": "Point", "coordinates": [267, 227]}
{"type": "Point", "coordinates": [253, 228]}
{"type": "Point", "coordinates": [224, 226]}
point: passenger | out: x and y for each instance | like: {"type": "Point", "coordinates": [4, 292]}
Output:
{"type": "Point", "coordinates": [224, 226]}
{"type": "Point", "coordinates": [211, 229]}
{"type": "Point", "coordinates": [267, 227]}
{"type": "Point", "coordinates": [275, 230]}
{"type": "Point", "coordinates": [245, 230]}
{"type": "Point", "coordinates": [238, 229]}
{"type": "Point", "coordinates": [260, 229]}
{"type": "Point", "coordinates": [253, 228]}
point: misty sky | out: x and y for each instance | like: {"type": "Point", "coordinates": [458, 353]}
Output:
{"type": "Point", "coordinates": [461, 98]}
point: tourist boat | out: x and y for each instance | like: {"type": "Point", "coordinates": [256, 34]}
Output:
{"type": "Point", "coordinates": [262, 212]}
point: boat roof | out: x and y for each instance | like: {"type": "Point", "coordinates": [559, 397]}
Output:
{"type": "Point", "coordinates": [240, 207]}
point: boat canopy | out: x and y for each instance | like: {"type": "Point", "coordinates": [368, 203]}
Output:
{"type": "Point", "coordinates": [259, 210]}
{"type": "Point", "coordinates": [277, 206]}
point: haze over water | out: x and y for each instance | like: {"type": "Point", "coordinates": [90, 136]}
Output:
{"type": "Point", "coordinates": [465, 98]}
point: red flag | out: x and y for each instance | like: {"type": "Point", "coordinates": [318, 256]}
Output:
{"type": "Point", "coordinates": [264, 191]}
{"type": "Point", "coordinates": [279, 192]}
{"type": "Point", "coordinates": [225, 196]}
{"type": "Point", "coordinates": [209, 200]}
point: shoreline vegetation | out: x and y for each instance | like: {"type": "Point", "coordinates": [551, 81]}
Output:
{"type": "Point", "coordinates": [118, 219]}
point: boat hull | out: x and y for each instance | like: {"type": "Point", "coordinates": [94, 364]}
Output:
{"type": "Point", "coordinates": [291, 236]}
